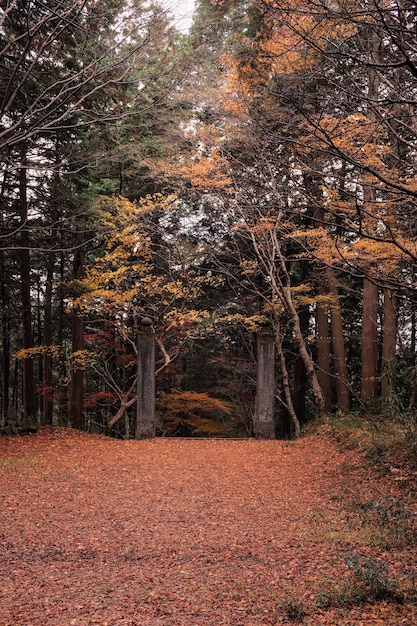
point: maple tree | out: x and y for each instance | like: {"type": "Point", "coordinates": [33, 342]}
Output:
{"type": "Point", "coordinates": [139, 272]}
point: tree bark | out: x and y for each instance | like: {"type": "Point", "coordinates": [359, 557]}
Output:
{"type": "Point", "coordinates": [323, 350]}
{"type": "Point", "coordinates": [77, 370]}
{"type": "Point", "coordinates": [300, 386]}
{"type": "Point", "coordinates": [282, 290]}
{"type": "Point", "coordinates": [369, 352]}
{"type": "Point", "coordinates": [389, 343]}
{"type": "Point", "coordinates": [338, 342]}
{"type": "Point", "coordinates": [369, 382]}
{"type": "Point", "coordinates": [5, 328]}
{"type": "Point", "coordinates": [47, 340]}
{"type": "Point", "coordinates": [289, 410]}
{"type": "Point", "coordinates": [63, 401]}
{"type": "Point", "coordinates": [29, 402]}
{"type": "Point", "coordinates": [313, 183]}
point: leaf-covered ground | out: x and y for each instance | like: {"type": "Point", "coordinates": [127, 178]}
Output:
{"type": "Point", "coordinates": [199, 532]}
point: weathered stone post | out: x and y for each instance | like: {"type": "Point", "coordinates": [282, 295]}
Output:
{"type": "Point", "coordinates": [145, 412]}
{"type": "Point", "coordinates": [264, 421]}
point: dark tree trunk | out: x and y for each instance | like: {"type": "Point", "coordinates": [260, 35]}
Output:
{"type": "Point", "coordinates": [413, 362]}
{"type": "Point", "coordinates": [323, 349]}
{"type": "Point", "coordinates": [369, 381]}
{"type": "Point", "coordinates": [300, 375]}
{"type": "Point", "coordinates": [389, 343]}
{"type": "Point", "coordinates": [5, 328]}
{"type": "Point", "coordinates": [63, 404]}
{"type": "Point", "coordinates": [77, 369]}
{"type": "Point", "coordinates": [338, 342]}
{"type": "Point", "coordinates": [47, 339]}
{"type": "Point", "coordinates": [29, 403]}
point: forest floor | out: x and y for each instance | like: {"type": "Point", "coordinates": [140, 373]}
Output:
{"type": "Point", "coordinates": [201, 532]}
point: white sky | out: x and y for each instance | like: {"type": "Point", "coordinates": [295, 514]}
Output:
{"type": "Point", "coordinates": [182, 11]}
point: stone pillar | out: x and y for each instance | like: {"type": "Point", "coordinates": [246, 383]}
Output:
{"type": "Point", "coordinates": [145, 412]}
{"type": "Point", "coordinates": [264, 422]}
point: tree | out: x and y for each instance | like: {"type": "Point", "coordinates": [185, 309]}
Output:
{"type": "Point", "coordinates": [288, 71]}
{"type": "Point", "coordinates": [68, 70]}
{"type": "Point", "coordinates": [139, 273]}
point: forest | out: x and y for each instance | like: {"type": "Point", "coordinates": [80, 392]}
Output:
{"type": "Point", "coordinates": [247, 187]}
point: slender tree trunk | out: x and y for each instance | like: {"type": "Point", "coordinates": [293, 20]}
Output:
{"type": "Point", "coordinates": [271, 259]}
{"type": "Point", "coordinates": [77, 369]}
{"type": "Point", "coordinates": [308, 362]}
{"type": "Point", "coordinates": [286, 297]}
{"type": "Point", "coordinates": [313, 184]}
{"type": "Point", "coordinates": [300, 381]}
{"type": "Point", "coordinates": [5, 327]}
{"type": "Point", "coordinates": [29, 403]}
{"type": "Point", "coordinates": [389, 343]}
{"type": "Point", "coordinates": [339, 354]}
{"type": "Point", "coordinates": [289, 406]}
{"type": "Point", "coordinates": [264, 419]}
{"type": "Point", "coordinates": [369, 381]}
{"type": "Point", "coordinates": [47, 339]}
{"type": "Point", "coordinates": [323, 349]}
{"type": "Point", "coordinates": [63, 403]}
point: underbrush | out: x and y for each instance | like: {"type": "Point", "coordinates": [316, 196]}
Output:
{"type": "Point", "coordinates": [368, 582]}
{"type": "Point", "coordinates": [390, 446]}
{"type": "Point", "coordinates": [390, 443]}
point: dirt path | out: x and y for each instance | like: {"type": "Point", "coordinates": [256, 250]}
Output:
{"type": "Point", "coordinates": [211, 532]}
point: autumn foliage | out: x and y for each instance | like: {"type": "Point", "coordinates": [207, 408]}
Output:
{"type": "Point", "coordinates": [191, 413]}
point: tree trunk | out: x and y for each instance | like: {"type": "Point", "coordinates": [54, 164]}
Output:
{"type": "Point", "coordinates": [5, 329]}
{"type": "Point", "coordinates": [29, 402]}
{"type": "Point", "coordinates": [285, 295]}
{"type": "Point", "coordinates": [313, 183]}
{"type": "Point", "coordinates": [300, 381]}
{"type": "Point", "coordinates": [264, 419]}
{"type": "Point", "coordinates": [389, 343]}
{"type": "Point", "coordinates": [77, 369]}
{"type": "Point", "coordinates": [289, 410]}
{"type": "Point", "coordinates": [369, 381]}
{"type": "Point", "coordinates": [308, 363]}
{"type": "Point", "coordinates": [145, 408]}
{"type": "Point", "coordinates": [63, 403]}
{"type": "Point", "coordinates": [413, 363]}
{"type": "Point", "coordinates": [338, 342]}
{"type": "Point", "coordinates": [47, 340]}
{"type": "Point", "coordinates": [323, 350]}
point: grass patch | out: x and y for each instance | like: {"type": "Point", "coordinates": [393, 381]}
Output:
{"type": "Point", "coordinates": [390, 446]}
{"type": "Point", "coordinates": [292, 608]}
{"type": "Point", "coordinates": [390, 443]}
{"type": "Point", "coordinates": [368, 583]}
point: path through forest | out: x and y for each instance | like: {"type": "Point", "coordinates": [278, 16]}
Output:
{"type": "Point", "coordinates": [199, 532]}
